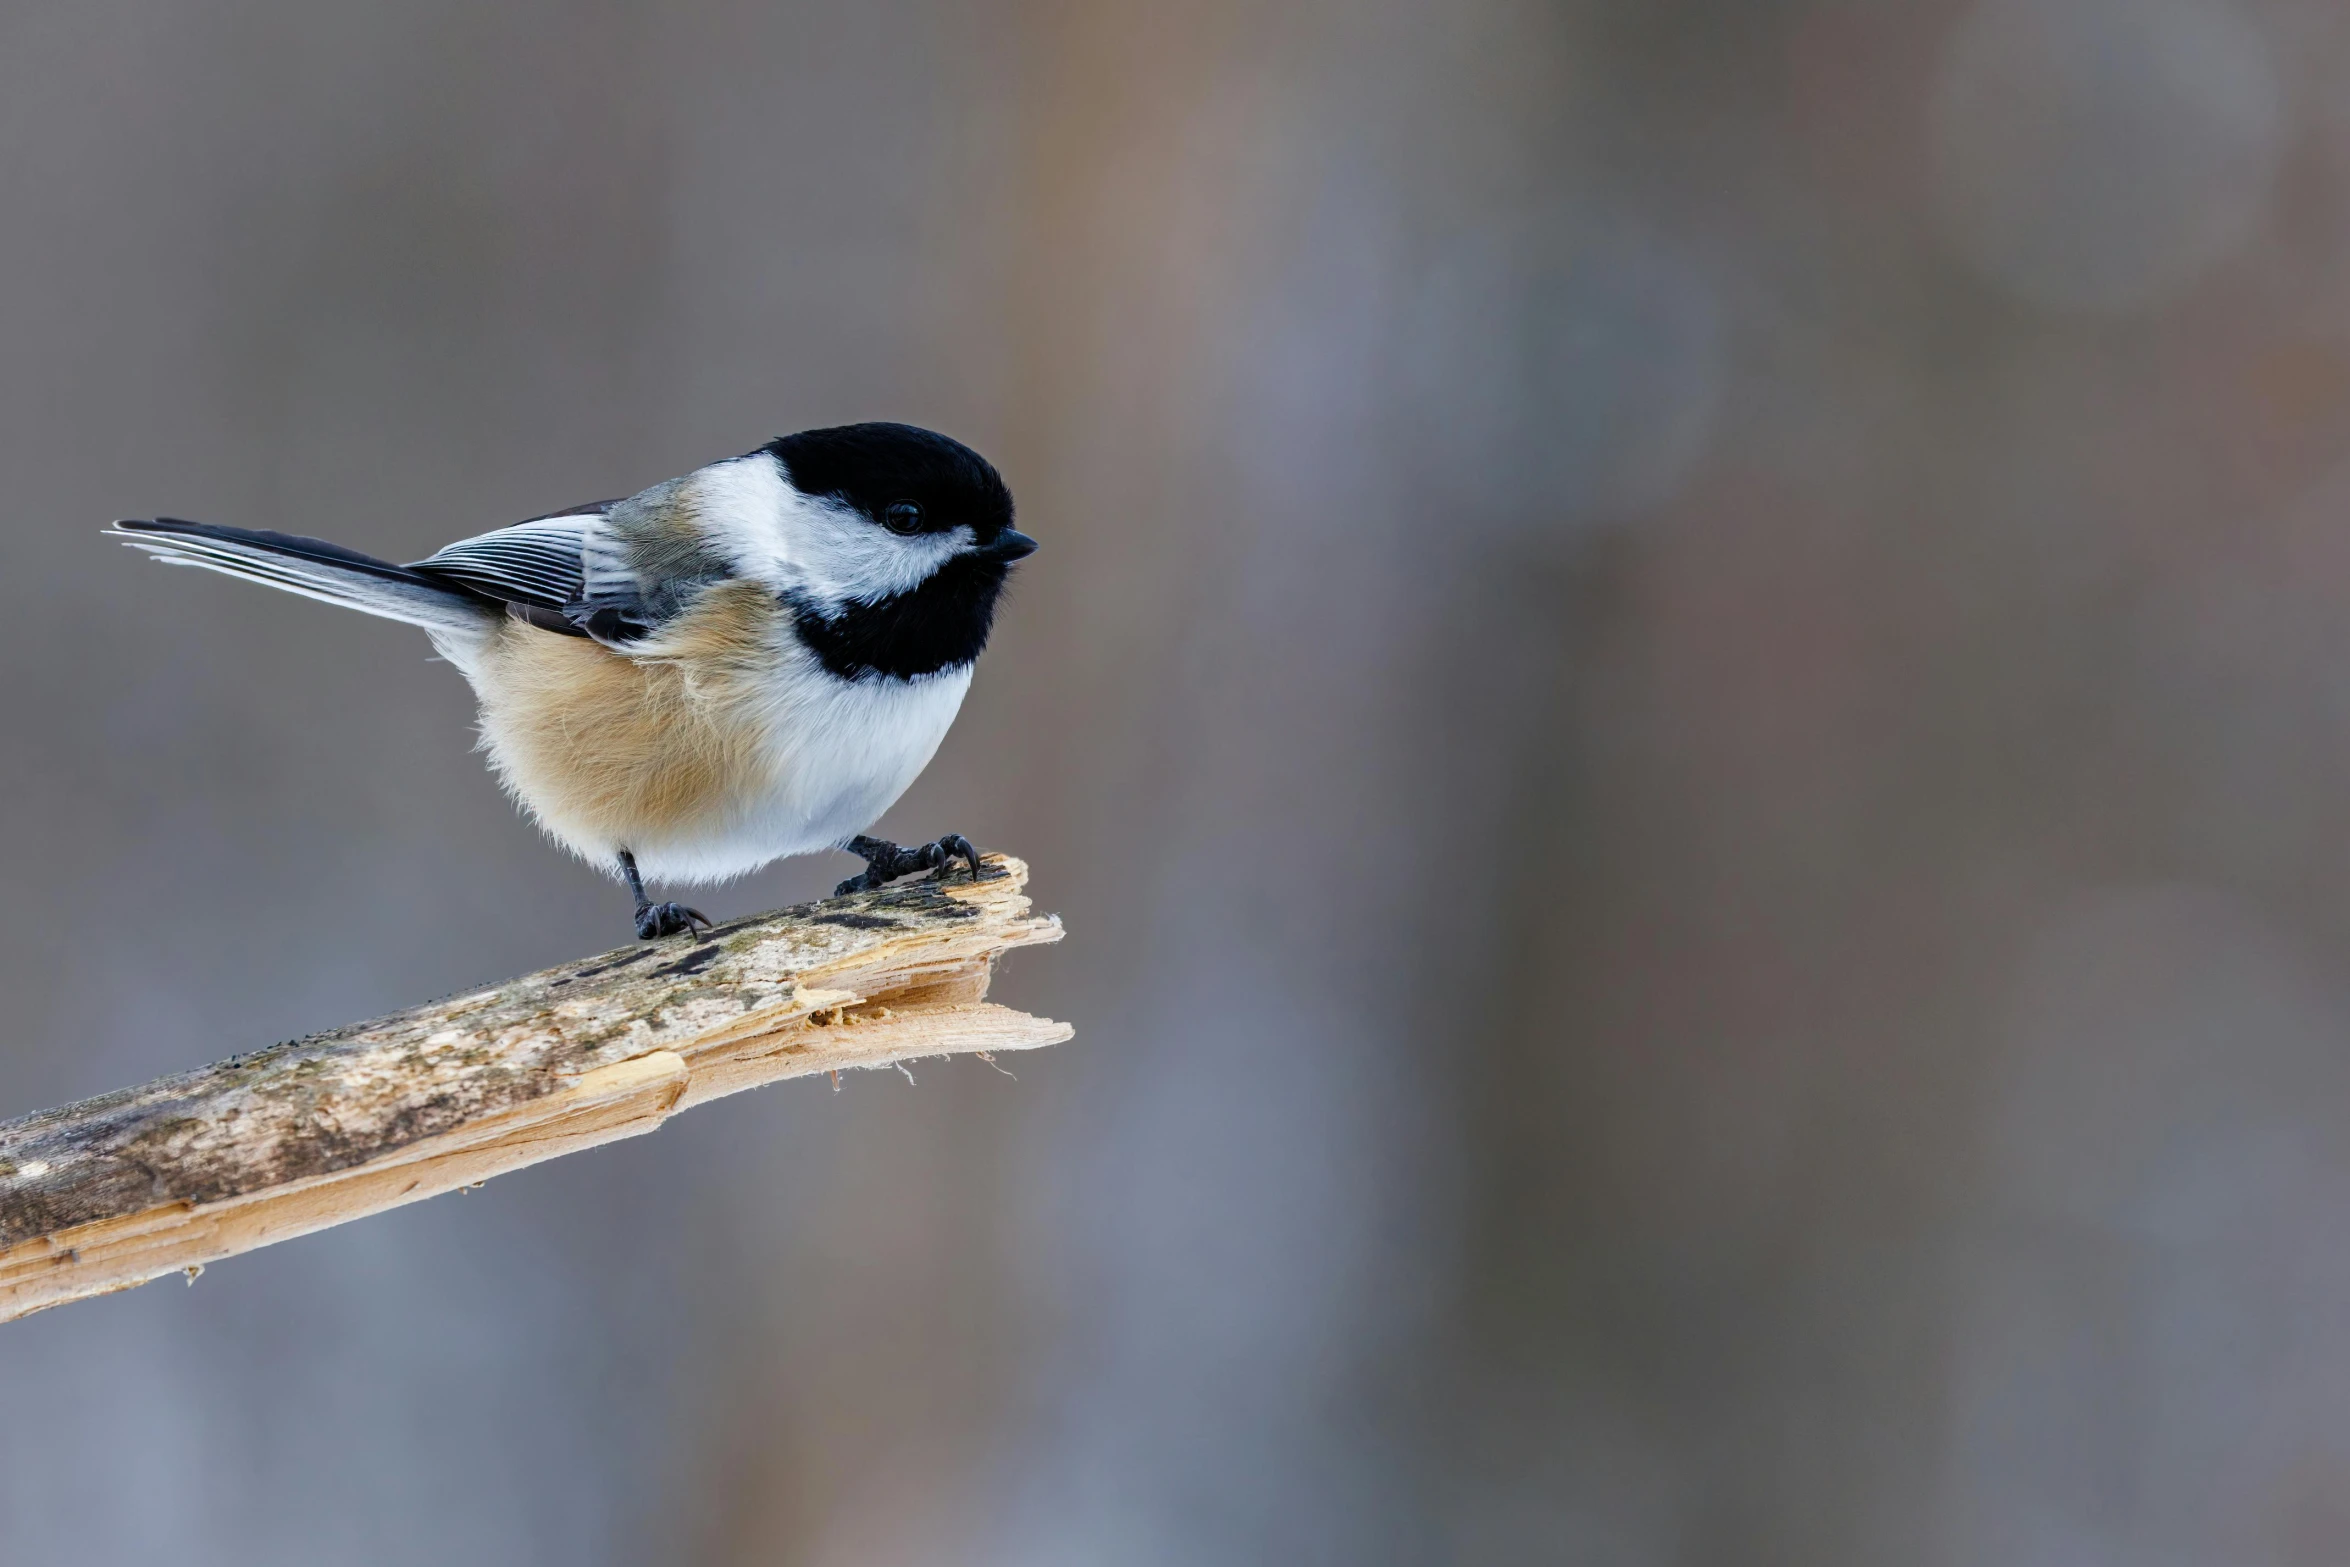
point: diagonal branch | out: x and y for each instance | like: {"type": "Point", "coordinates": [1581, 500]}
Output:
{"type": "Point", "coordinates": [166, 1177]}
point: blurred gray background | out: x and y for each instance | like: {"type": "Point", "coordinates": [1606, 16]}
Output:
{"type": "Point", "coordinates": [1689, 697]}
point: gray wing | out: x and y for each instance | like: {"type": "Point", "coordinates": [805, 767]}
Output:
{"type": "Point", "coordinates": [615, 571]}
{"type": "Point", "coordinates": [534, 563]}
{"type": "Point", "coordinates": [566, 572]}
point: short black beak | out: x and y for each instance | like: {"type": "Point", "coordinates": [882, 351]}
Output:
{"type": "Point", "coordinates": [1010, 545]}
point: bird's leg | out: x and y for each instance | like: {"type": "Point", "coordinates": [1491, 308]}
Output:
{"type": "Point", "coordinates": [655, 920]}
{"type": "Point", "coordinates": [885, 862]}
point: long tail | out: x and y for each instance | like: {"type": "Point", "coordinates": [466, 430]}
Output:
{"type": "Point", "coordinates": [315, 569]}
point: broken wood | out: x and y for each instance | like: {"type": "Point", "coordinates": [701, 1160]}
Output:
{"type": "Point", "coordinates": [164, 1178]}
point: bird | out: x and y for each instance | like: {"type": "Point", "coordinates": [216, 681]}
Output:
{"type": "Point", "coordinates": [750, 661]}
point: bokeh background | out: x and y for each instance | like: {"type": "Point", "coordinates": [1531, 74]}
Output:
{"type": "Point", "coordinates": [1689, 697]}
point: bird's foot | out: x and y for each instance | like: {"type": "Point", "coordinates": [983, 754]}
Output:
{"type": "Point", "coordinates": [655, 920]}
{"type": "Point", "coordinates": [885, 862]}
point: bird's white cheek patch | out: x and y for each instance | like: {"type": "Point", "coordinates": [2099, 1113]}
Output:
{"type": "Point", "coordinates": [798, 543]}
{"type": "Point", "coordinates": [843, 557]}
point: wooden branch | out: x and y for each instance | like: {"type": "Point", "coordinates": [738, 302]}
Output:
{"type": "Point", "coordinates": [164, 1178]}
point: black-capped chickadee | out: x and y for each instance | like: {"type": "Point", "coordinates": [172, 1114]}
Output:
{"type": "Point", "coordinates": [752, 661]}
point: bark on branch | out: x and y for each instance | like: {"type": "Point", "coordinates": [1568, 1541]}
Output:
{"type": "Point", "coordinates": [164, 1178]}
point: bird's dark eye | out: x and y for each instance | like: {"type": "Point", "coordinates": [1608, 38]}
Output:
{"type": "Point", "coordinates": [902, 517]}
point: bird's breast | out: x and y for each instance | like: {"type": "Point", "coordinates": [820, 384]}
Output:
{"type": "Point", "coordinates": [718, 745]}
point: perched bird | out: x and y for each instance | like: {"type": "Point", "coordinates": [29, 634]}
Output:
{"type": "Point", "coordinates": [748, 662]}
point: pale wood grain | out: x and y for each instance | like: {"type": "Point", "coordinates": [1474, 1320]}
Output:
{"type": "Point", "coordinates": [166, 1177]}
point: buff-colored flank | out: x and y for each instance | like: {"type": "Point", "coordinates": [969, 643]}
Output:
{"type": "Point", "coordinates": [657, 744]}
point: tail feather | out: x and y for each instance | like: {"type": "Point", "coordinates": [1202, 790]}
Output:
{"type": "Point", "coordinates": [313, 568]}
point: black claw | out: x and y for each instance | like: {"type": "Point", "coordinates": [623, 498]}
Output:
{"type": "Point", "coordinates": [885, 862]}
{"type": "Point", "coordinates": [955, 846]}
{"type": "Point", "coordinates": [656, 920]}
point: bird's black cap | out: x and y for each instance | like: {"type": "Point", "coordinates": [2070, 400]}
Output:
{"type": "Point", "coordinates": [872, 466]}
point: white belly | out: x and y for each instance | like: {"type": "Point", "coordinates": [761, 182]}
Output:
{"type": "Point", "coordinates": [842, 752]}
{"type": "Point", "coordinates": [730, 749]}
